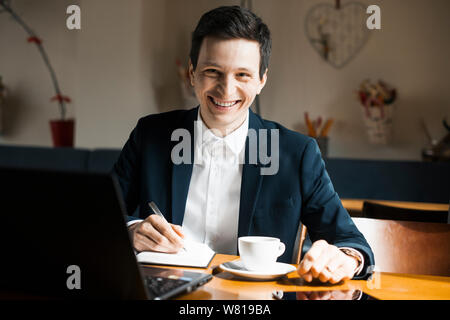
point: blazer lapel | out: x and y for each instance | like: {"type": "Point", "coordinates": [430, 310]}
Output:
{"type": "Point", "coordinates": [181, 173]}
{"type": "Point", "coordinates": [251, 180]}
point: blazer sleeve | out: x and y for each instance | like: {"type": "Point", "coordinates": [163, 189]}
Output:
{"type": "Point", "coordinates": [126, 170]}
{"type": "Point", "coordinates": [322, 210]}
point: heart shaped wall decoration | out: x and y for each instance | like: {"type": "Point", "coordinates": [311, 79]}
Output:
{"type": "Point", "coordinates": [337, 33]}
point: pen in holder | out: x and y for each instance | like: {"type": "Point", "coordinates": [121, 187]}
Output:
{"type": "Point", "coordinates": [319, 130]}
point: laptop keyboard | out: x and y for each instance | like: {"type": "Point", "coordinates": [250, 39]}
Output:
{"type": "Point", "coordinates": [159, 286]}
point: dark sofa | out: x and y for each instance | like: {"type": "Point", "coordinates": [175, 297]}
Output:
{"type": "Point", "coordinates": [414, 181]}
{"type": "Point", "coordinates": [65, 159]}
{"type": "Point", "coordinates": [359, 179]}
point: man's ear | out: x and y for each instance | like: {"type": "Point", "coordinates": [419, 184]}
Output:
{"type": "Point", "coordinates": [191, 72]}
{"type": "Point", "coordinates": [262, 82]}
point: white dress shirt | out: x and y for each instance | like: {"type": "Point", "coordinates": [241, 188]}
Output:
{"type": "Point", "coordinates": [212, 208]}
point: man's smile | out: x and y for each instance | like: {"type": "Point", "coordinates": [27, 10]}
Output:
{"type": "Point", "coordinates": [222, 104]}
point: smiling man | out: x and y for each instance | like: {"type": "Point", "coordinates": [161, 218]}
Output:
{"type": "Point", "coordinates": [217, 199]}
{"type": "Point", "coordinates": [226, 80]}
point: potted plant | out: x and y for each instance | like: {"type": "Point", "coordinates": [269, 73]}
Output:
{"type": "Point", "coordinates": [62, 129]}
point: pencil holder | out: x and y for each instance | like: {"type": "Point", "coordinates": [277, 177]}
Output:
{"type": "Point", "coordinates": [378, 121]}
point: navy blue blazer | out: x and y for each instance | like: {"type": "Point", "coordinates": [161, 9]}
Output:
{"type": "Point", "coordinates": [270, 205]}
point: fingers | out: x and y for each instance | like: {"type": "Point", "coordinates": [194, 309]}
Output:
{"type": "Point", "coordinates": [155, 234]}
{"type": "Point", "coordinates": [344, 268]}
{"type": "Point", "coordinates": [178, 230]}
{"type": "Point", "coordinates": [165, 229]}
{"type": "Point", "coordinates": [320, 268]}
{"type": "Point", "coordinates": [324, 275]}
{"type": "Point", "coordinates": [307, 277]}
{"type": "Point", "coordinates": [144, 243]}
{"type": "Point", "coordinates": [326, 263]}
{"type": "Point", "coordinates": [311, 256]}
{"type": "Point", "coordinates": [335, 263]}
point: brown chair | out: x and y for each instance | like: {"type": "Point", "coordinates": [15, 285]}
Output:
{"type": "Point", "coordinates": [408, 246]}
{"type": "Point", "coordinates": [381, 211]}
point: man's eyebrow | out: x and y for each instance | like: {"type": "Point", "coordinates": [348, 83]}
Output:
{"type": "Point", "coordinates": [213, 64]}
{"type": "Point", "coordinates": [210, 63]}
{"type": "Point", "coordinates": [245, 69]}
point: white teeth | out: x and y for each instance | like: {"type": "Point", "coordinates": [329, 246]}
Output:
{"type": "Point", "coordinates": [229, 104]}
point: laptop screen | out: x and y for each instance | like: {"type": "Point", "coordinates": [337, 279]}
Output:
{"type": "Point", "coordinates": [57, 224]}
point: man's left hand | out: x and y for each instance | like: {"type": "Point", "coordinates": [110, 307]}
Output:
{"type": "Point", "coordinates": [326, 263]}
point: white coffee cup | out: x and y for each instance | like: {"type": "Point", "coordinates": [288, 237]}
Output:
{"type": "Point", "coordinates": [260, 253]}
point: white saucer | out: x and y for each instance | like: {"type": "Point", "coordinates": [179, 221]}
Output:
{"type": "Point", "coordinates": [279, 269]}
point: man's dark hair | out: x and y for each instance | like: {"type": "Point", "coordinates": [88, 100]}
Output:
{"type": "Point", "coordinates": [232, 22]}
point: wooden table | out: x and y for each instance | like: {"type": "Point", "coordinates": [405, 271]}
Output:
{"type": "Point", "coordinates": [356, 205]}
{"type": "Point", "coordinates": [390, 286]}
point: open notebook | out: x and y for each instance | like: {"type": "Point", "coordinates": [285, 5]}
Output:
{"type": "Point", "coordinates": [196, 255]}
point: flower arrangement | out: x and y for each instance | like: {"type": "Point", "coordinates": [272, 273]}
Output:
{"type": "Point", "coordinates": [377, 100]}
{"type": "Point", "coordinates": [376, 95]}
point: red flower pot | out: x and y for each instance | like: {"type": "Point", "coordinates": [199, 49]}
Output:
{"type": "Point", "coordinates": [62, 132]}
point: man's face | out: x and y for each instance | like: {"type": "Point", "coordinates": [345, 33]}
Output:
{"type": "Point", "coordinates": [226, 81]}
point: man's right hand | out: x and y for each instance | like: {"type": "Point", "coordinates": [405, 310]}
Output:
{"type": "Point", "coordinates": [155, 234]}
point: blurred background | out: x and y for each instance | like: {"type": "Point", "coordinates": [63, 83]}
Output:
{"type": "Point", "coordinates": [122, 65]}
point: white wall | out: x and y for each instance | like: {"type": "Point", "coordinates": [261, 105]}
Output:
{"type": "Point", "coordinates": [410, 51]}
{"type": "Point", "coordinates": [114, 70]}
{"type": "Point", "coordinates": [121, 66]}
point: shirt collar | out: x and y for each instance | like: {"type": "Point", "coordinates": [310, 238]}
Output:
{"type": "Point", "coordinates": [235, 140]}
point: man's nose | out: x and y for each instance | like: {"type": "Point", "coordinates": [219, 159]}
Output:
{"type": "Point", "coordinates": [227, 86]}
